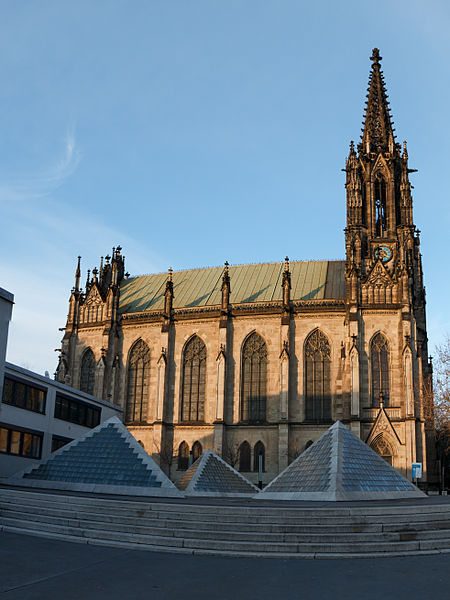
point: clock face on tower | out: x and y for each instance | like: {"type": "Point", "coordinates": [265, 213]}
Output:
{"type": "Point", "coordinates": [384, 253]}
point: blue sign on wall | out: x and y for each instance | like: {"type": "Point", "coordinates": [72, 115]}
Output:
{"type": "Point", "coordinates": [416, 470]}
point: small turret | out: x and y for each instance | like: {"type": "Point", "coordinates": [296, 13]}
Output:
{"type": "Point", "coordinates": [117, 266]}
{"type": "Point", "coordinates": [226, 290]}
{"type": "Point", "coordinates": [168, 302]}
{"type": "Point", "coordinates": [286, 285]}
{"type": "Point", "coordinates": [77, 276]}
{"type": "Point", "coordinates": [168, 295]}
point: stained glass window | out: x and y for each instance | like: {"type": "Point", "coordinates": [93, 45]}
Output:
{"type": "Point", "coordinates": [194, 381]}
{"type": "Point", "coordinates": [254, 379]}
{"type": "Point", "coordinates": [379, 359]}
{"type": "Point", "coordinates": [137, 389]}
{"type": "Point", "coordinates": [317, 375]}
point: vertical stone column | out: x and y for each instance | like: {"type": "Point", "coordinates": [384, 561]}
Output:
{"type": "Point", "coordinates": [283, 426]}
{"type": "Point", "coordinates": [220, 396]}
{"type": "Point", "coordinates": [408, 379]}
{"type": "Point", "coordinates": [157, 449]}
{"type": "Point", "coordinates": [161, 385]}
{"type": "Point", "coordinates": [284, 383]}
{"type": "Point", "coordinates": [99, 377]}
{"type": "Point", "coordinates": [355, 372]}
{"type": "Point", "coordinates": [112, 382]}
{"type": "Point", "coordinates": [354, 382]}
{"type": "Point", "coordinates": [220, 392]}
{"type": "Point", "coordinates": [283, 446]}
{"type": "Point", "coordinates": [221, 361]}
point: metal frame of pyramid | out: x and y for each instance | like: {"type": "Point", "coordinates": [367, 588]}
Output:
{"type": "Point", "coordinates": [339, 467]}
{"type": "Point", "coordinates": [166, 488]}
{"type": "Point", "coordinates": [202, 474]}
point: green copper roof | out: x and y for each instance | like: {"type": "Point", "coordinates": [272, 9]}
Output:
{"type": "Point", "coordinates": [312, 280]}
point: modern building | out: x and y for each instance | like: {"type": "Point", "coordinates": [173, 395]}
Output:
{"type": "Point", "coordinates": [39, 415]}
{"type": "Point", "coordinates": [258, 360]}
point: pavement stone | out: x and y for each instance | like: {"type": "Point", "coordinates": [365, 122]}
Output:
{"type": "Point", "coordinates": [36, 568]}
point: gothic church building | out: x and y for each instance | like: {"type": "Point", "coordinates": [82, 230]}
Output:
{"type": "Point", "coordinates": [261, 359]}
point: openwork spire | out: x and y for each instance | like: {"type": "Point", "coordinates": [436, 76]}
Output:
{"type": "Point", "coordinates": [378, 133]}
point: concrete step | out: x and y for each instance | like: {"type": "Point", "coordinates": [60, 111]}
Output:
{"type": "Point", "coordinates": [329, 534]}
{"type": "Point", "coordinates": [204, 524]}
{"type": "Point", "coordinates": [238, 545]}
{"type": "Point", "coordinates": [212, 513]}
{"type": "Point", "coordinates": [238, 529]}
{"type": "Point", "coordinates": [351, 527]}
{"type": "Point", "coordinates": [41, 521]}
{"type": "Point", "coordinates": [225, 553]}
{"type": "Point", "coordinates": [256, 508]}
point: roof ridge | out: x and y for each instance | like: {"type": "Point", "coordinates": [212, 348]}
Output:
{"type": "Point", "coordinates": [275, 262]}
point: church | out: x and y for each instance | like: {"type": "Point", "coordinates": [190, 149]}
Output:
{"type": "Point", "coordinates": [256, 361]}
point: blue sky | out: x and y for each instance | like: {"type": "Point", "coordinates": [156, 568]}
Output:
{"type": "Point", "coordinates": [194, 132]}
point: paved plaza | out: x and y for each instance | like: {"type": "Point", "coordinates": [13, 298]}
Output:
{"type": "Point", "coordinates": [33, 568]}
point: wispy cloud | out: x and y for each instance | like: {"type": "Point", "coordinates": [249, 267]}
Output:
{"type": "Point", "coordinates": [27, 186]}
{"type": "Point", "coordinates": [42, 235]}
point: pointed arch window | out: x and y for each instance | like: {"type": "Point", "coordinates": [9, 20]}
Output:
{"type": "Point", "coordinates": [137, 388]}
{"type": "Point", "coordinates": [183, 456]}
{"type": "Point", "coordinates": [259, 451]}
{"type": "Point", "coordinates": [254, 379]}
{"type": "Point", "coordinates": [383, 448]}
{"type": "Point", "coordinates": [197, 451]}
{"type": "Point", "coordinates": [87, 375]}
{"type": "Point", "coordinates": [245, 459]}
{"type": "Point", "coordinates": [194, 381]}
{"type": "Point", "coordinates": [317, 375]}
{"type": "Point", "coordinates": [379, 360]}
{"type": "Point", "coordinates": [380, 205]}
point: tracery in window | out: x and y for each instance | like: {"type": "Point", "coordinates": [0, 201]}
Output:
{"type": "Point", "coordinates": [317, 376]}
{"type": "Point", "coordinates": [379, 359]}
{"type": "Point", "coordinates": [87, 372]}
{"type": "Point", "coordinates": [194, 381]}
{"type": "Point", "coordinates": [383, 448]}
{"type": "Point", "coordinates": [137, 388]}
{"type": "Point", "coordinates": [254, 379]}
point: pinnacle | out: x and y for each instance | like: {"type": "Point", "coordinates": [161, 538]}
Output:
{"type": "Point", "coordinates": [377, 119]}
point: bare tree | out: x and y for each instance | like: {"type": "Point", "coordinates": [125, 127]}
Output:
{"type": "Point", "coordinates": [166, 456]}
{"type": "Point", "coordinates": [437, 404]}
{"type": "Point", "coordinates": [294, 451]}
{"type": "Point", "coordinates": [442, 389]}
{"type": "Point", "coordinates": [230, 453]}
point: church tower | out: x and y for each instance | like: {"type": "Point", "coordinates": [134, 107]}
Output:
{"type": "Point", "coordinates": [384, 274]}
{"type": "Point", "coordinates": [383, 262]}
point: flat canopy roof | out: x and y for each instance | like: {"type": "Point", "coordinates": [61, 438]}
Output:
{"type": "Point", "coordinates": [311, 280]}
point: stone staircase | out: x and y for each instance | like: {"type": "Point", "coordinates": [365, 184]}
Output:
{"type": "Point", "coordinates": [232, 528]}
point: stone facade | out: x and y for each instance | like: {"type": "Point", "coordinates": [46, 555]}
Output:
{"type": "Point", "coordinates": [372, 318]}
